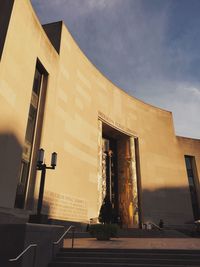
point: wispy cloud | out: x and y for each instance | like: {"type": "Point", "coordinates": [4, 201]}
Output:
{"type": "Point", "coordinates": [78, 7]}
{"type": "Point", "coordinates": [100, 4]}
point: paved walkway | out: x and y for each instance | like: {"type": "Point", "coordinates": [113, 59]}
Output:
{"type": "Point", "coordinates": [148, 243]}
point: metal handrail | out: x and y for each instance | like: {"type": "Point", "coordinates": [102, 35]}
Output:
{"type": "Point", "coordinates": [156, 226]}
{"type": "Point", "coordinates": [24, 251]}
{"type": "Point", "coordinates": [62, 237]}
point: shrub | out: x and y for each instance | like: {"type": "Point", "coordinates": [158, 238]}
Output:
{"type": "Point", "coordinates": [103, 231]}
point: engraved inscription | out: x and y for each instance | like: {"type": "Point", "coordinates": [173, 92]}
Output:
{"type": "Point", "coordinates": [65, 207]}
{"type": "Point", "coordinates": [115, 123]}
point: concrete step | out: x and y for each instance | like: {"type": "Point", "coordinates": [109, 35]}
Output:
{"type": "Point", "coordinates": [126, 257]}
{"type": "Point", "coordinates": [143, 233]}
{"type": "Point", "coordinates": [142, 260]}
{"type": "Point", "coordinates": [92, 264]}
{"type": "Point", "coordinates": [160, 255]}
{"type": "Point", "coordinates": [121, 250]}
{"type": "Point", "coordinates": [154, 233]}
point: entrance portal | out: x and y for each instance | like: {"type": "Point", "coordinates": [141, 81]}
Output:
{"type": "Point", "coordinates": [118, 198]}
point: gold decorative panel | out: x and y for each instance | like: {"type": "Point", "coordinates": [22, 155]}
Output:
{"type": "Point", "coordinates": [100, 170]}
{"type": "Point", "coordinates": [128, 197]}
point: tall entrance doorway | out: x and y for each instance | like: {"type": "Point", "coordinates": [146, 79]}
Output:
{"type": "Point", "coordinates": [118, 194]}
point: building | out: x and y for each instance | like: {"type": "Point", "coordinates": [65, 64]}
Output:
{"type": "Point", "coordinates": [109, 144]}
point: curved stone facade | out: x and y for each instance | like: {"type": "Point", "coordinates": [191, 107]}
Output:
{"type": "Point", "coordinates": [78, 108]}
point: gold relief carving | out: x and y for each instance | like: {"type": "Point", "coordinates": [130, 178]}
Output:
{"type": "Point", "coordinates": [134, 181]}
{"type": "Point", "coordinates": [128, 197]}
{"type": "Point", "coordinates": [131, 211]}
{"type": "Point", "coordinates": [100, 166]}
{"type": "Point", "coordinates": [123, 182]}
{"type": "Point", "coordinates": [103, 187]}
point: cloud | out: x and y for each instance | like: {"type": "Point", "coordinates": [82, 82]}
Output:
{"type": "Point", "coordinates": [100, 4]}
{"type": "Point", "coordinates": [72, 7]}
{"type": "Point", "coordinates": [181, 98]}
{"type": "Point", "coordinates": [186, 109]}
{"type": "Point", "coordinates": [148, 48]}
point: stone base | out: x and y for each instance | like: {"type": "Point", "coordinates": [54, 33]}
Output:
{"type": "Point", "coordinates": [38, 218]}
{"type": "Point", "coordinates": [80, 226]}
{"type": "Point", "coordinates": [16, 237]}
{"type": "Point", "coordinates": [13, 216]}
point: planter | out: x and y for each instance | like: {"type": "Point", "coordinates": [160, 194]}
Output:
{"type": "Point", "coordinates": [103, 236]}
{"type": "Point", "coordinates": [103, 231]}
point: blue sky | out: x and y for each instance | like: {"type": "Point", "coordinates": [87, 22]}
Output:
{"type": "Point", "coordinates": [150, 48]}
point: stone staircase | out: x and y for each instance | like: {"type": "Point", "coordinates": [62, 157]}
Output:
{"type": "Point", "coordinates": [140, 233]}
{"type": "Point", "coordinates": [126, 257]}
{"type": "Point", "coordinates": [154, 233]}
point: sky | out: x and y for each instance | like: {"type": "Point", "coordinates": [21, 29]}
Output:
{"type": "Point", "coordinates": [149, 48]}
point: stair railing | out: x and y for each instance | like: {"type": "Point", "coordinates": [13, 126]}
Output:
{"type": "Point", "coordinates": [24, 252]}
{"type": "Point", "coordinates": [62, 237]}
{"type": "Point", "coordinates": [156, 226]}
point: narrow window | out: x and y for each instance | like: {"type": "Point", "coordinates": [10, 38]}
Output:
{"type": "Point", "coordinates": [191, 173]}
{"type": "Point", "coordinates": [31, 129]}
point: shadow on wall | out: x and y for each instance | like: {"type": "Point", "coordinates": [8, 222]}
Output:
{"type": "Point", "coordinates": [10, 158]}
{"type": "Point", "coordinates": [45, 206]}
{"type": "Point", "coordinates": [173, 205]}
{"type": "Point", "coordinates": [5, 12]}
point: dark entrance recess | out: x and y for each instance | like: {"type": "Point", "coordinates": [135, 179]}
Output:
{"type": "Point", "coordinates": [118, 174]}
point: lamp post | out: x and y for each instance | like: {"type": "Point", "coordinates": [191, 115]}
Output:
{"type": "Point", "coordinates": [41, 166]}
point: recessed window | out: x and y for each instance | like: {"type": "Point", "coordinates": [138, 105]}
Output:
{"type": "Point", "coordinates": [191, 172]}
{"type": "Point", "coordinates": [29, 138]}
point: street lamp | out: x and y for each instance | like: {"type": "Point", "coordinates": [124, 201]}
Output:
{"type": "Point", "coordinates": [41, 166]}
